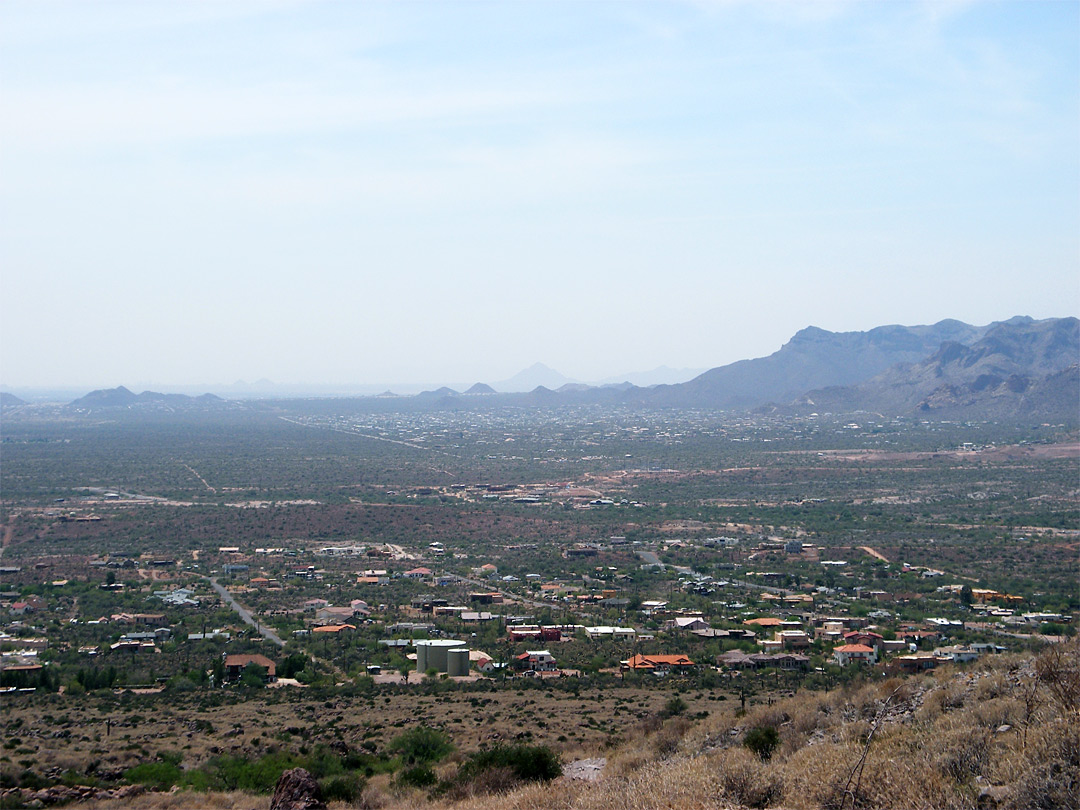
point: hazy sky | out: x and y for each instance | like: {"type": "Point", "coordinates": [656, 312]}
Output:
{"type": "Point", "coordinates": [198, 192]}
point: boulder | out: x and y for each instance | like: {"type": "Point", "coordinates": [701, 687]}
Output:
{"type": "Point", "coordinates": [297, 790]}
{"type": "Point", "coordinates": [992, 796]}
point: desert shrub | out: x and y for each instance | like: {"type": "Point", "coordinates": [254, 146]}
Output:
{"type": "Point", "coordinates": [418, 776]}
{"type": "Point", "coordinates": [964, 752]}
{"type": "Point", "coordinates": [254, 776]}
{"type": "Point", "coordinates": [420, 744]}
{"type": "Point", "coordinates": [155, 775]}
{"type": "Point", "coordinates": [1058, 667]}
{"type": "Point", "coordinates": [667, 739]}
{"type": "Point", "coordinates": [745, 779]}
{"type": "Point", "coordinates": [344, 787]}
{"type": "Point", "coordinates": [816, 776]}
{"type": "Point", "coordinates": [807, 717]}
{"type": "Point", "coordinates": [762, 740]}
{"type": "Point", "coordinates": [488, 782]}
{"type": "Point", "coordinates": [626, 763]}
{"type": "Point", "coordinates": [991, 686]}
{"type": "Point", "coordinates": [180, 683]}
{"type": "Point", "coordinates": [774, 716]}
{"type": "Point", "coordinates": [33, 781]}
{"type": "Point", "coordinates": [527, 763]}
{"type": "Point", "coordinates": [675, 706]}
{"type": "Point", "coordinates": [1050, 758]}
{"type": "Point", "coordinates": [1047, 786]}
{"type": "Point", "coordinates": [953, 696]}
{"type": "Point", "coordinates": [997, 712]}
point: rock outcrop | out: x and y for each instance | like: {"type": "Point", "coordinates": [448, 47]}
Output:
{"type": "Point", "coordinates": [297, 790]}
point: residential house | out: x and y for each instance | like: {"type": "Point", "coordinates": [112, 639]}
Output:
{"type": "Point", "coordinates": [535, 660]}
{"type": "Point", "coordinates": [864, 637]}
{"type": "Point", "coordinates": [605, 631]}
{"type": "Point", "coordinates": [428, 603]}
{"type": "Point", "coordinates": [132, 646]}
{"type": "Point", "coordinates": [334, 615]}
{"type": "Point", "coordinates": [830, 631]}
{"type": "Point", "coordinates": [765, 622]}
{"type": "Point", "coordinates": [959, 654]}
{"type": "Point", "coordinates": [215, 635]}
{"type": "Point", "coordinates": [793, 639]}
{"type": "Point", "coordinates": [737, 659]}
{"type": "Point", "coordinates": [178, 597]}
{"type": "Point", "coordinates": [916, 662]}
{"type": "Point", "coordinates": [236, 664]}
{"type": "Point", "coordinates": [333, 628]}
{"type": "Point", "coordinates": [854, 654]}
{"type": "Point", "coordinates": [658, 664]}
{"type": "Point", "coordinates": [690, 623]}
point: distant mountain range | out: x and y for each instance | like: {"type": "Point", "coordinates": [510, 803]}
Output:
{"type": "Point", "coordinates": [1019, 367]}
{"type": "Point", "coordinates": [10, 400]}
{"type": "Point", "coordinates": [121, 397]}
{"type": "Point", "coordinates": [538, 374]}
{"type": "Point", "coordinates": [534, 376]}
{"type": "Point", "coordinates": [813, 358]}
{"type": "Point", "coordinates": [1015, 368]}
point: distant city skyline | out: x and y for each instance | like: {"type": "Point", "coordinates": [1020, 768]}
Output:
{"type": "Point", "coordinates": [358, 194]}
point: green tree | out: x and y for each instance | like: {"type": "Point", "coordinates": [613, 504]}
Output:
{"type": "Point", "coordinates": [253, 676]}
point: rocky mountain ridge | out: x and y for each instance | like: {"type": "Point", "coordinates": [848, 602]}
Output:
{"type": "Point", "coordinates": [1015, 368]}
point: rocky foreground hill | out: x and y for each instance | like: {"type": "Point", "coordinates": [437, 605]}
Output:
{"type": "Point", "coordinates": [1003, 733]}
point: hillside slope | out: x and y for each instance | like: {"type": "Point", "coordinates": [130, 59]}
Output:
{"type": "Point", "coordinates": [813, 358]}
{"type": "Point", "coordinates": [1003, 734]}
{"type": "Point", "coordinates": [1020, 367]}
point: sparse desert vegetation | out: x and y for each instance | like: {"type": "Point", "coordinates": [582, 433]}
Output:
{"type": "Point", "coordinates": [723, 611]}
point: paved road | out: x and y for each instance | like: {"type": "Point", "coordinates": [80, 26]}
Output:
{"type": "Point", "coordinates": [245, 614]}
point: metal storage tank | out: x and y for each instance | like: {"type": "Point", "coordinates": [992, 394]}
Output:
{"type": "Point", "coordinates": [421, 656]}
{"type": "Point", "coordinates": [457, 662]}
{"type": "Point", "coordinates": [431, 653]}
{"type": "Point", "coordinates": [437, 651]}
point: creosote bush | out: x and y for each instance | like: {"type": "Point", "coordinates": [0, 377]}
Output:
{"type": "Point", "coordinates": [762, 740]}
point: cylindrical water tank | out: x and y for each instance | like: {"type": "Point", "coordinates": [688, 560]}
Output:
{"type": "Point", "coordinates": [433, 655]}
{"type": "Point", "coordinates": [437, 654]}
{"type": "Point", "coordinates": [421, 657]}
{"type": "Point", "coordinates": [457, 662]}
